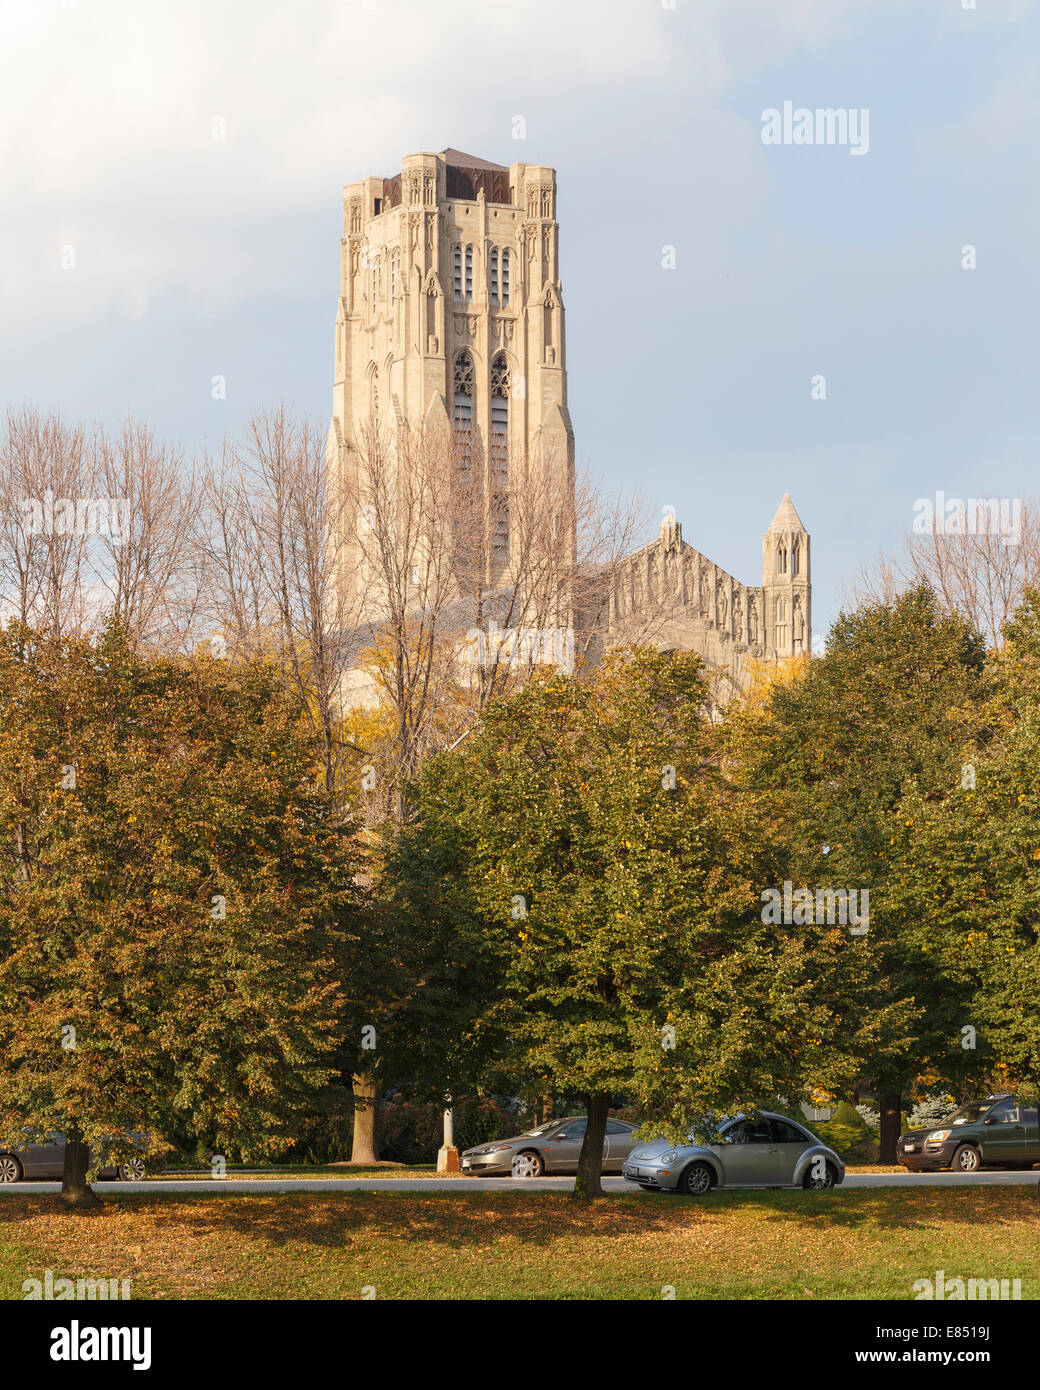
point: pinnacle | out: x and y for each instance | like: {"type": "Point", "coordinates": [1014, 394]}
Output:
{"type": "Point", "coordinates": [786, 516]}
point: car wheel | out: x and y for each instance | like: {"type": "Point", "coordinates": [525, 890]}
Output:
{"type": "Point", "coordinates": [814, 1182]}
{"type": "Point", "coordinates": [697, 1180]}
{"type": "Point", "coordinates": [10, 1168]}
{"type": "Point", "coordinates": [966, 1160]}
{"type": "Point", "coordinates": [528, 1165]}
{"type": "Point", "coordinates": [132, 1170]}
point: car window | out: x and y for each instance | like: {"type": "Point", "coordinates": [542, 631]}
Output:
{"type": "Point", "coordinates": [783, 1133]}
{"type": "Point", "coordinates": [748, 1132]}
{"type": "Point", "coordinates": [614, 1128]}
{"type": "Point", "coordinates": [1006, 1113]}
{"type": "Point", "coordinates": [968, 1115]}
{"type": "Point", "coordinates": [574, 1131]}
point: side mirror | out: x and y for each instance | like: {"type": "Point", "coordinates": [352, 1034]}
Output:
{"type": "Point", "coordinates": [990, 1120]}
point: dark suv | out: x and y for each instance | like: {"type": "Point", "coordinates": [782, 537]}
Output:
{"type": "Point", "coordinates": [998, 1132]}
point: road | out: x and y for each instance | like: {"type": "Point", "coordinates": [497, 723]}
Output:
{"type": "Point", "coordinates": [610, 1184]}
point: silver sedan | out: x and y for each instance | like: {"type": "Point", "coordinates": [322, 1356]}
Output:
{"type": "Point", "coordinates": [551, 1148]}
{"type": "Point", "coordinates": [761, 1150]}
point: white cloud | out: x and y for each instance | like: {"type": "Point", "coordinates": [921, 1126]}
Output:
{"type": "Point", "coordinates": [108, 107]}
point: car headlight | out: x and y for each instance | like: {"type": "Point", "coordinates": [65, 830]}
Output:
{"type": "Point", "coordinates": [498, 1149]}
{"type": "Point", "coordinates": [669, 1157]}
{"type": "Point", "coordinates": [937, 1136]}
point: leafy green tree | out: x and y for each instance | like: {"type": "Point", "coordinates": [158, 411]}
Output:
{"type": "Point", "coordinates": [841, 765]}
{"type": "Point", "coordinates": [602, 897]}
{"type": "Point", "coordinates": [177, 910]}
{"type": "Point", "coordinates": [970, 870]}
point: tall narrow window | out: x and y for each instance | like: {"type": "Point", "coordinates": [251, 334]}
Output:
{"type": "Point", "coordinates": [458, 273]}
{"type": "Point", "coordinates": [494, 276]}
{"type": "Point", "coordinates": [499, 422]}
{"type": "Point", "coordinates": [794, 558]}
{"type": "Point", "coordinates": [781, 624]}
{"type": "Point", "coordinates": [500, 534]}
{"type": "Point", "coordinates": [505, 280]}
{"type": "Point", "coordinates": [395, 267]}
{"type": "Point", "coordinates": [463, 407]}
{"type": "Point", "coordinates": [469, 273]}
{"type": "Point", "coordinates": [781, 559]}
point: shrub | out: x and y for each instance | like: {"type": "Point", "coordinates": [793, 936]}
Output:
{"type": "Point", "coordinates": [930, 1110]}
{"type": "Point", "coordinates": [848, 1134]}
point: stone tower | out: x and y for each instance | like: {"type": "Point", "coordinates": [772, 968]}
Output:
{"type": "Point", "coordinates": [786, 584]}
{"type": "Point", "coordinates": [451, 315]}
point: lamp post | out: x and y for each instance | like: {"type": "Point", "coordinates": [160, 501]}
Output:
{"type": "Point", "coordinates": [448, 1154]}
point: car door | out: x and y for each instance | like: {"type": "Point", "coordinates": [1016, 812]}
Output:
{"type": "Point", "coordinates": [1004, 1134]}
{"type": "Point", "coordinates": [791, 1143]}
{"type": "Point", "coordinates": [619, 1145]}
{"type": "Point", "coordinates": [750, 1155]}
{"type": "Point", "coordinates": [43, 1160]}
{"type": "Point", "coordinates": [1031, 1121]}
{"type": "Point", "coordinates": [564, 1148]}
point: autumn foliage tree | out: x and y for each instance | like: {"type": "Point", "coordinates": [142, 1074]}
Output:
{"type": "Point", "coordinates": [177, 909]}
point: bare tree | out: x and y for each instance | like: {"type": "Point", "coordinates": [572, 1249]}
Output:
{"type": "Point", "coordinates": [45, 473]}
{"type": "Point", "coordinates": [980, 574]}
{"type": "Point", "coordinates": [148, 575]}
{"type": "Point", "coordinates": [270, 534]}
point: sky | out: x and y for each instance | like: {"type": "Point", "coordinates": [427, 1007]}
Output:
{"type": "Point", "coordinates": [171, 180]}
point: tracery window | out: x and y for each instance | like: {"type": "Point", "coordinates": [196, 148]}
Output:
{"type": "Point", "coordinates": [500, 421]}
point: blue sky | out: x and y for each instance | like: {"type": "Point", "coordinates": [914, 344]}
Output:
{"type": "Point", "coordinates": [196, 256]}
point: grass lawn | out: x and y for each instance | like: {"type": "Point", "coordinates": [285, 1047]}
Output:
{"type": "Point", "coordinates": [783, 1245]}
{"type": "Point", "coordinates": [304, 1170]}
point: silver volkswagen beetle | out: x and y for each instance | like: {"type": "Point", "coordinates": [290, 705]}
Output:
{"type": "Point", "coordinates": [551, 1148]}
{"type": "Point", "coordinates": [760, 1150]}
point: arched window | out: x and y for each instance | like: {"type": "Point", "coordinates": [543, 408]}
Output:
{"type": "Point", "coordinates": [457, 273]}
{"type": "Point", "coordinates": [494, 276]}
{"type": "Point", "coordinates": [781, 623]}
{"type": "Point", "coordinates": [500, 421]}
{"type": "Point", "coordinates": [469, 274]}
{"type": "Point", "coordinates": [504, 301]}
{"type": "Point", "coordinates": [462, 399]}
{"type": "Point", "coordinates": [794, 558]}
{"type": "Point", "coordinates": [781, 559]}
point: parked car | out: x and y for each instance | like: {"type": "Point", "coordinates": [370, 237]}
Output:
{"type": "Point", "coordinates": [551, 1148]}
{"type": "Point", "coordinates": [35, 1162]}
{"type": "Point", "coordinates": [761, 1150]}
{"type": "Point", "coordinates": [997, 1132]}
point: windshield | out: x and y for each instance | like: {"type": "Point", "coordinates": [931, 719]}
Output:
{"type": "Point", "coordinates": [544, 1129]}
{"type": "Point", "coordinates": [970, 1114]}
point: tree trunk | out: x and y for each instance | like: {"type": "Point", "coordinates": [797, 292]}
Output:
{"type": "Point", "coordinates": [75, 1190]}
{"type": "Point", "coordinates": [365, 1148]}
{"type": "Point", "coordinates": [590, 1160]}
{"type": "Point", "coordinates": [890, 1125]}
{"type": "Point", "coordinates": [545, 1111]}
